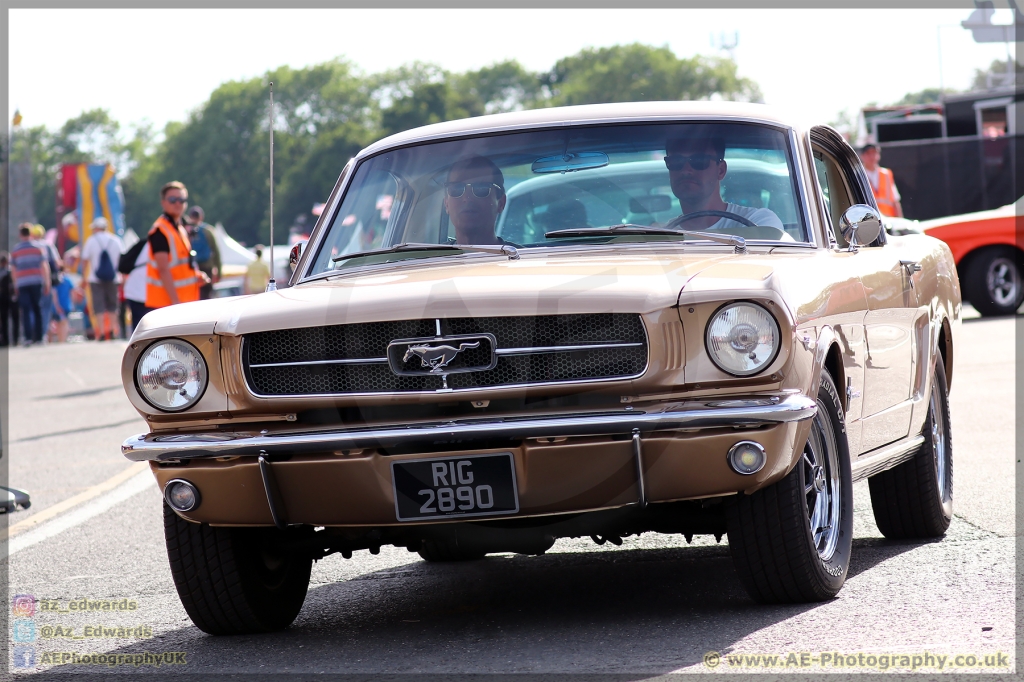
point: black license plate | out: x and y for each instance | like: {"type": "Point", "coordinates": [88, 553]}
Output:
{"type": "Point", "coordinates": [476, 485]}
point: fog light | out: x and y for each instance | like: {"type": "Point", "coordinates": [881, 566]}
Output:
{"type": "Point", "coordinates": [181, 495]}
{"type": "Point", "coordinates": [747, 457]}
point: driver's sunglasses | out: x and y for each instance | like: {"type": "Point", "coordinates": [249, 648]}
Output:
{"type": "Point", "coordinates": [480, 189]}
{"type": "Point", "coordinates": [677, 162]}
{"type": "Point", "coordinates": [176, 200]}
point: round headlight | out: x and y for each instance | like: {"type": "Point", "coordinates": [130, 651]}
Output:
{"type": "Point", "coordinates": [742, 339]}
{"type": "Point", "coordinates": [171, 375]}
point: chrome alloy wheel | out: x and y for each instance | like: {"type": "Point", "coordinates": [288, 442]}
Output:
{"type": "Point", "coordinates": [940, 451]}
{"type": "Point", "coordinates": [822, 487]}
{"type": "Point", "coordinates": [1003, 281]}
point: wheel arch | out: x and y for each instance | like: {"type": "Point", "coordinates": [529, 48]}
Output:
{"type": "Point", "coordinates": [965, 261]}
{"type": "Point", "coordinates": [834, 364]}
{"type": "Point", "coordinates": [945, 348]}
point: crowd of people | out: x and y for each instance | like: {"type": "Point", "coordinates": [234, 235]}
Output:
{"type": "Point", "coordinates": [109, 286]}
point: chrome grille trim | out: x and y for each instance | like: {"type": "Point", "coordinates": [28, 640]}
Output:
{"type": "Point", "coordinates": [347, 361]}
{"type": "Point", "coordinates": [563, 349]}
{"type": "Point", "coordinates": [585, 359]}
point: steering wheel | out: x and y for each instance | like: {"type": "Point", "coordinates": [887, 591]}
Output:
{"type": "Point", "coordinates": [701, 214]}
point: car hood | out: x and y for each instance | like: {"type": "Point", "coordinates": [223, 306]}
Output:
{"type": "Point", "coordinates": [463, 286]}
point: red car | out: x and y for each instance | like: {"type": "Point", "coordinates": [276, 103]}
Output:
{"type": "Point", "coordinates": [989, 253]}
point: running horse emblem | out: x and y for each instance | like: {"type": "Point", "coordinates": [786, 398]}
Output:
{"type": "Point", "coordinates": [437, 357]}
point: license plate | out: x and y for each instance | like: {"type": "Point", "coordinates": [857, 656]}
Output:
{"type": "Point", "coordinates": [477, 485]}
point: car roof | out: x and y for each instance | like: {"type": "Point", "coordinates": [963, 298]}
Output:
{"type": "Point", "coordinates": [590, 114]}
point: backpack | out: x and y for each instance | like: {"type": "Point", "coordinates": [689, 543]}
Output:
{"type": "Point", "coordinates": [201, 245]}
{"type": "Point", "coordinates": [126, 263]}
{"type": "Point", "coordinates": [105, 271]}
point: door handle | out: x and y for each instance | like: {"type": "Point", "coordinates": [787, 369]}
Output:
{"type": "Point", "coordinates": [911, 266]}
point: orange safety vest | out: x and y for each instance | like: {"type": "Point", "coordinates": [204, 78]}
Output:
{"type": "Point", "coordinates": [182, 271]}
{"type": "Point", "coordinates": [885, 196]}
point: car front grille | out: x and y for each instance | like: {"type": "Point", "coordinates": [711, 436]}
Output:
{"type": "Point", "coordinates": [352, 358]}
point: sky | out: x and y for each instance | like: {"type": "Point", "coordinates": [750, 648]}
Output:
{"type": "Point", "coordinates": [162, 64]}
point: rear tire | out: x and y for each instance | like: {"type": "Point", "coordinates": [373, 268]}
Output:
{"type": "Point", "coordinates": [994, 280]}
{"type": "Point", "coordinates": [915, 499]}
{"type": "Point", "coordinates": [779, 557]}
{"type": "Point", "coordinates": [234, 581]}
{"type": "Point", "coordinates": [442, 551]}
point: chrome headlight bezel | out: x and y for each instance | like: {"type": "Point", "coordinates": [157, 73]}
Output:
{"type": "Point", "coordinates": [776, 329]}
{"type": "Point", "coordinates": [201, 369]}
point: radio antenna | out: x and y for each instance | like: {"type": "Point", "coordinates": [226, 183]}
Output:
{"type": "Point", "coordinates": [272, 283]}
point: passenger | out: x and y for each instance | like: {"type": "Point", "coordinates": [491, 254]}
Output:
{"type": "Point", "coordinates": [696, 167]}
{"type": "Point", "coordinates": [474, 198]}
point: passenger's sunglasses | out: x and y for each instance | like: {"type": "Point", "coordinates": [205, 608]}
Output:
{"type": "Point", "coordinates": [176, 200]}
{"type": "Point", "coordinates": [480, 189]}
{"type": "Point", "coordinates": [677, 162]}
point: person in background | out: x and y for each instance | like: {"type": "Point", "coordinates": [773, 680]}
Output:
{"type": "Point", "coordinates": [257, 274]}
{"type": "Point", "coordinates": [9, 326]}
{"type": "Point", "coordinates": [204, 244]}
{"type": "Point", "coordinates": [31, 273]}
{"type": "Point", "coordinates": [53, 258]}
{"type": "Point", "coordinates": [102, 251]}
{"type": "Point", "coordinates": [883, 184]}
{"type": "Point", "coordinates": [135, 288]}
{"type": "Point", "coordinates": [171, 274]}
{"type": "Point", "coordinates": [70, 223]}
{"type": "Point", "coordinates": [62, 305]}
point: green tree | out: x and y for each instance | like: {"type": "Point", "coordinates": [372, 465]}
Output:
{"type": "Point", "coordinates": [995, 75]}
{"type": "Point", "coordinates": [926, 96]}
{"type": "Point", "coordinates": [221, 152]}
{"type": "Point", "coordinates": [91, 137]}
{"type": "Point", "coordinates": [636, 72]}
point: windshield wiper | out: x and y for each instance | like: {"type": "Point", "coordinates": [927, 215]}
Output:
{"type": "Point", "coordinates": [503, 249]}
{"type": "Point", "coordinates": [737, 242]}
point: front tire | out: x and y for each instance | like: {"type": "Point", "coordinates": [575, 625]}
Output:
{"type": "Point", "coordinates": [790, 542]}
{"type": "Point", "coordinates": [915, 499]}
{"type": "Point", "coordinates": [994, 281]}
{"type": "Point", "coordinates": [234, 581]}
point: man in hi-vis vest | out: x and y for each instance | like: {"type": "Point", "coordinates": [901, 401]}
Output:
{"type": "Point", "coordinates": [882, 183]}
{"type": "Point", "coordinates": [171, 275]}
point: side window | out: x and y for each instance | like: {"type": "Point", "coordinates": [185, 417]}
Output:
{"type": "Point", "coordinates": [834, 189]}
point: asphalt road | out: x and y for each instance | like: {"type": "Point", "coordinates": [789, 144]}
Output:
{"type": "Point", "coordinates": [651, 607]}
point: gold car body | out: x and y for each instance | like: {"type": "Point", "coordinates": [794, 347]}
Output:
{"type": "Point", "coordinates": [661, 436]}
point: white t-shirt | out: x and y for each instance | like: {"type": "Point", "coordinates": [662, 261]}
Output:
{"type": "Point", "coordinates": [95, 246]}
{"type": "Point", "coordinates": [758, 216]}
{"type": "Point", "coordinates": [135, 283]}
{"type": "Point", "coordinates": [873, 179]}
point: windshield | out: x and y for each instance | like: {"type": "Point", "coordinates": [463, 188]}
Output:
{"type": "Point", "coordinates": [522, 189]}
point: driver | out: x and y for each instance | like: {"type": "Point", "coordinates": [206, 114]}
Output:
{"type": "Point", "coordinates": [474, 197]}
{"type": "Point", "coordinates": [696, 167]}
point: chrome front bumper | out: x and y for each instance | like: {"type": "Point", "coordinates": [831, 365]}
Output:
{"type": "Point", "coordinates": [694, 414]}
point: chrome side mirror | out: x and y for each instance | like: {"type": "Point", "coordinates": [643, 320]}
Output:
{"type": "Point", "coordinates": [293, 255]}
{"type": "Point", "coordinates": [860, 225]}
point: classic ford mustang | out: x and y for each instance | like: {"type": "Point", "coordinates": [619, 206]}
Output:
{"type": "Point", "coordinates": [592, 321]}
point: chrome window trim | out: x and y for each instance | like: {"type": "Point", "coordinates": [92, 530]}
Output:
{"type": "Point", "coordinates": [475, 389]}
{"type": "Point", "coordinates": [327, 216]}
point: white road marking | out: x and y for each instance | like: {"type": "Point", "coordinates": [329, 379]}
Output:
{"type": "Point", "coordinates": [55, 510]}
{"type": "Point", "coordinates": [44, 531]}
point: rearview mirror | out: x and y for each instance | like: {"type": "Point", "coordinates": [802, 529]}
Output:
{"type": "Point", "coordinates": [860, 225]}
{"type": "Point", "coordinates": [570, 162]}
{"type": "Point", "coordinates": [293, 255]}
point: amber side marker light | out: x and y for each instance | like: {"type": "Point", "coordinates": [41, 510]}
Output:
{"type": "Point", "coordinates": [747, 457]}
